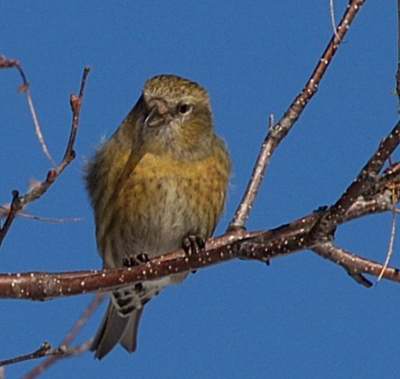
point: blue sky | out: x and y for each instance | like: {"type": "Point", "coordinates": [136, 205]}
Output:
{"type": "Point", "coordinates": [301, 317]}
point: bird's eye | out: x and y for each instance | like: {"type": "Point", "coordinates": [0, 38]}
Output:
{"type": "Point", "coordinates": [184, 108]}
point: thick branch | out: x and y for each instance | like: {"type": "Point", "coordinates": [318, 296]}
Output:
{"type": "Point", "coordinates": [262, 246]}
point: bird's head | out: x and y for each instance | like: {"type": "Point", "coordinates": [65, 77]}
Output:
{"type": "Point", "coordinates": [176, 116]}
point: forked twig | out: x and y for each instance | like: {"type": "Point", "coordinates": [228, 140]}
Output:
{"type": "Point", "coordinates": [19, 202]}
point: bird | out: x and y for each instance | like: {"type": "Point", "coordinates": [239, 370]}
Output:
{"type": "Point", "coordinates": [159, 183]}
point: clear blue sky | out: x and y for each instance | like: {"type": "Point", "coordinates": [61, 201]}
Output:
{"type": "Point", "coordinates": [302, 317]}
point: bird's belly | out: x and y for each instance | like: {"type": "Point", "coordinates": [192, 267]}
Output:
{"type": "Point", "coordinates": [163, 216]}
{"type": "Point", "coordinates": [154, 215]}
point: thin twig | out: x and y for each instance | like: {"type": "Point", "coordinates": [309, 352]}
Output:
{"type": "Point", "coordinates": [391, 245]}
{"type": "Point", "coordinates": [42, 351]}
{"type": "Point", "coordinates": [50, 220]}
{"type": "Point", "coordinates": [245, 205]}
{"type": "Point", "coordinates": [282, 128]}
{"type": "Point", "coordinates": [25, 88]}
{"type": "Point", "coordinates": [83, 319]}
{"type": "Point", "coordinates": [14, 206]}
{"type": "Point", "coordinates": [39, 189]}
{"type": "Point", "coordinates": [5, 209]}
{"type": "Point", "coordinates": [76, 104]}
{"type": "Point", "coordinates": [45, 350]}
{"type": "Point", "coordinates": [76, 350]}
{"type": "Point", "coordinates": [69, 338]}
{"type": "Point", "coordinates": [333, 18]}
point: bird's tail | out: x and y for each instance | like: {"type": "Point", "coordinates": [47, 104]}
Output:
{"type": "Point", "coordinates": [116, 329]}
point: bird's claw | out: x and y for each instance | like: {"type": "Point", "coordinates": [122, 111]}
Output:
{"type": "Point", "coordinates": [135, 260]}
{"type": "Point", "coordinates": [193, 245]}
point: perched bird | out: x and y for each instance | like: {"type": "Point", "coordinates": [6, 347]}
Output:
{"type": "Point", "coordinates": [158, 184]}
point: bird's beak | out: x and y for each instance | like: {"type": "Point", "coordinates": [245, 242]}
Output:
{"type": "Point", "coordinates": [157, 116]}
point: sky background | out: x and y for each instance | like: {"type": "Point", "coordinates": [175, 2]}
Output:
{"type": "Point", "coordinates": [301, 317]}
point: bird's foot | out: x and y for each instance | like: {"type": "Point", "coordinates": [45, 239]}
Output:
{"type": "Point", "coordinates": [135, 260]}
{"type": "Point", "coordinates": [193, 245]}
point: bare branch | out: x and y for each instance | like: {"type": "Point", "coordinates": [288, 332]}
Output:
{"type": "Point", "coordinates": [262, 246]}
{"type": "Point", "coordinates": [42, 351]}
{"type": "Point", "coordinates": [25, 88]}
{"type": "Point", "coordinates": [69, 338]}
{"type": "Point", "coordinates": [333, 19]}
{"type": "Point", "coordinates": [41, 188]}
{"type": "Point", "coordinates": [76, 104]}
{"type": "Point", "coordinates": [38, 129]}
{"type": "Point", "coordinates": [45, 350]}
{"type": "Point", "coordinates": [280, 130]}
{"type": "Point", "coordinates": [361, 186]}
{"type": "Point", "coordinates": [354, 264]}
{"type": "Point", "coordinates": [391, 245]}
{"type": "Point", "coordinates": [257, 176]}
{"type": "Point", "coordinates": [329, 251]}
{"type": "Point", "coordinates": [5, 209]}
{"type": "Point", "coordinates": [14, 206]}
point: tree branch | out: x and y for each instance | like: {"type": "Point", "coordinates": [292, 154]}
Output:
{"type": "Point", "coordinates": [19, 202]}
{"type": "Point", "coordinates": [44, 350]}
{"type": "Point", "coordinates": [262, 246]}
{"type": "Point", "coordinates": [354, 264]}
{"type": "Point", "coordinates": [25, 88]}
{"type": "Point", "coordinates": [69, 338]}
{"type": "Point", "coordinates": [280, 130]}
{"type": "Point", "coordinates": [361, 186]}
